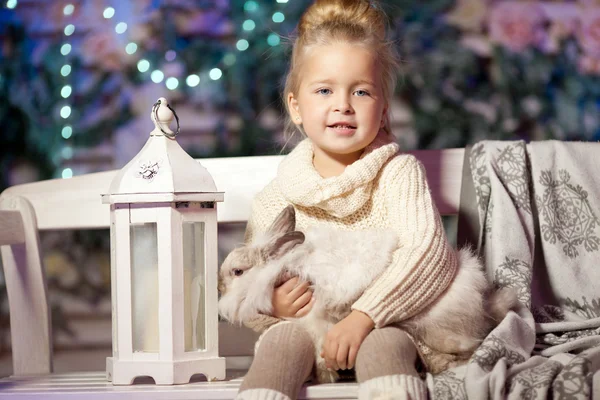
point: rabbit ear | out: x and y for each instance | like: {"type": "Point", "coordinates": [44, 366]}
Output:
{"type": "Point", "coordinates": [280, 245]}
{"type": "Point", "coordinates": [284, 223]}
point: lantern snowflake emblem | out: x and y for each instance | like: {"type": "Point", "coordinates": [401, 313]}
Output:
{"type": "Point", "coordinates": [149, 169]}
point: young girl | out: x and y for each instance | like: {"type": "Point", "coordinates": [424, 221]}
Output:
{"type": "Point", "coordinates": [348, 173]}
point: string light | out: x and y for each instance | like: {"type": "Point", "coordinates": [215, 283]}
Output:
{"type": "Point", "coordinates": [67, 131]}
{"type": "Point", "coordinates": [273, 39]}
{"type": "Point", "coordinates": [121, 27]}
{"type": "Point", "coordinates": [242, 45]}
{"type": "Point", "coordinates": [250, 6]}
{"type": "Point", "coordinates": [68, 10]}
{"type": "Point", "coordinates": [215, 74]}
{"type": "Point", "coordinates": [172, 83]}
{"type": "Point", "coordinates": [11, 4]}
{"type": "Point", "coordinates": [248, 25]}
{"type": "Point", "coordinates": [65, 112]}
{"type": "Point", "coordinates": [157, 76]}
{"type": "Point", "coordinates": [67, 173]}
{"type": "Point", "coordinates": [69, 29]}
{"type": "Point", "coordinates": [131, 48]}
{"type": "Point", "coordinates": [143, 65]}
{"type": "Point", "coordinates": [66, 91]}
{"type": "Point", "coordinates": [282, 1]}
{"type": "Point", "coordinates": [193, 80]}
{"type": "Point", "coordinates": [65, 49]}
{"type": "Point", "coordinates": [278, 17]}
{"type": "Point", "coordinates": [109, 12]}
{"type": "Point", "coordinates": [65, 70]}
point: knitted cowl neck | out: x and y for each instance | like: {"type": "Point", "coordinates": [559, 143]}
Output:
{"type": "Point", "coordinates": [341, 195]}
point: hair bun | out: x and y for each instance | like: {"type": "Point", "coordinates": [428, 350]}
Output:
{"type": "Point", "coordinates": [333, 22]}
{"type": "Point", "coordinates": [364, 15]}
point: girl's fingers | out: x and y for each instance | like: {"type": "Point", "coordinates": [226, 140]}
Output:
{"type": "Point", "coordinates": [342, 356]}
{"type": "Point", "coordinates": [290, 284]}
{"type": "Point", "coordinates": [331, 349]}
{"type": "Point", "coordinates": [306, 309]}
{"type": "Point", "coordinates": [299, 290]}
{"type": "Point", "coordinates": [352, 357]}
{"type": "Point", "coordinates": [301, 301]}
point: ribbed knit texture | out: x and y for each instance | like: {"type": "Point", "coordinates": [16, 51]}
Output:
{"type": "Point", "coordinates": [383, 189]}
{"type": "Point", "coordinates": [261, 394]}
{"type": "Point", "coordinates": [386, 351]}
{"type": "Point", "coordinates": [393, 387]}
{"type": "Point", "coordinates": [283, 361]}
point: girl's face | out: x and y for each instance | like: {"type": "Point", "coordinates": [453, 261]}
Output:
{"type": "Point", "coordinates": [340, 101]}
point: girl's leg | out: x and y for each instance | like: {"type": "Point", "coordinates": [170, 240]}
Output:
{"type": "Point", "coordinates": [385, 366]}
{"type": "Point", "coordinates": [282, 362]}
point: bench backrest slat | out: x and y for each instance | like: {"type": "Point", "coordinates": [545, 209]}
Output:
{"type": "Point", "coordinates": [75, 203]}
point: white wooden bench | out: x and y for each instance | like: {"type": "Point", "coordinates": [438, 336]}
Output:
{"type": "Point", "coordinates": [75, 203]}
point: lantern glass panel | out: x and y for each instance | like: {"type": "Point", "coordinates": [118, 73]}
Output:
{"type": "Point", "coordinates": [144, 290]}
{"type": "Point", "coordinates": [194, 263]}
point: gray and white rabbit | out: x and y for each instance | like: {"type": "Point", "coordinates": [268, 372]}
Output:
{"type": "Point", "coordinates": [340, 265]}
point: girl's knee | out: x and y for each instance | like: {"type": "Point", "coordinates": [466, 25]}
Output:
{"type": "Point", "coordinates": [389, 340]}
{"type": "Point", "coordinates": [386, 351]}
{"type": "Point", "coordinates": [284, 336]}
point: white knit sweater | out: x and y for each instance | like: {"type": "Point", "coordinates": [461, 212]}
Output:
{"type": "Point", "coordinates": [383, 189]}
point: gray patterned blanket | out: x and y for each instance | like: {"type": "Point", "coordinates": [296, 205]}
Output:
{"type": "Point", "coordinates": [533, 212]}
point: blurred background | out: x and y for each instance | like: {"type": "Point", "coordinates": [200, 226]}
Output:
{"type": "Point", "coordinates": [78, 79]}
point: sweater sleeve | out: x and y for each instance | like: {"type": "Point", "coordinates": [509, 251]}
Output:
{"type": "Point", "coordinates": [425, 263]}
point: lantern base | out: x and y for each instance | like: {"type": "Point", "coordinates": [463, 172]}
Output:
{"type": "Point", "coordinates": [124, 372]}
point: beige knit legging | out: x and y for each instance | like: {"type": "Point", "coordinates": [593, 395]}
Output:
{"type": "Point", "coordinates": [285, 358]}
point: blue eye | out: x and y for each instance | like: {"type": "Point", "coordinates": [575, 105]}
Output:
{"type": "Point", "coordinates": [324, 91]}
{"type": "Point", "coordinates": [361, 93]}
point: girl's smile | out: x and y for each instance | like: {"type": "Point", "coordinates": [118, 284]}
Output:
{"type": "Point", "coordinates": [342, 129]}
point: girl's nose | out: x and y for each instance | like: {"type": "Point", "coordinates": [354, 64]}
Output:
{"type": "Point", "coordinates": [343, 105]}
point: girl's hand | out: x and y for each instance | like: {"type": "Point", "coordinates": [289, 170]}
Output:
{"type": "Point", "coordinates": [293, 299]}
{"type": "Point", "coordinates": [344, 339]}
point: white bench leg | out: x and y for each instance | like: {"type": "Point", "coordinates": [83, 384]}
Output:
{"type": "Point", "coordinates": [27, 295]}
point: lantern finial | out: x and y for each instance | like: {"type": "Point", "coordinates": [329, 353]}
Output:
{"type": "Point", "coordinates": [162, 115]}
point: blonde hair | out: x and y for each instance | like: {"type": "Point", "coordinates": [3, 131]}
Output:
{"type": "Point", "coordinates": [360, 22]}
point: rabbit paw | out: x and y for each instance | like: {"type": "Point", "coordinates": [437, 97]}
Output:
{"type": "Point", "coordinates": [325, 375]}
{"type": "Point", "coordinates": [440, 362]}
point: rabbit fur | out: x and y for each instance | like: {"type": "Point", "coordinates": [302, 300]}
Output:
{"type": "Point", "coordinates": [340, 265]}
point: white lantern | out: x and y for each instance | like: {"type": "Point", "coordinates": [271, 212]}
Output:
{"type": "Point", "coordinates": [163, 263]}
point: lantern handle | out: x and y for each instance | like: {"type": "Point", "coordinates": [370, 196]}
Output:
{"type": "Point", "coordinates": [155, 108]}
